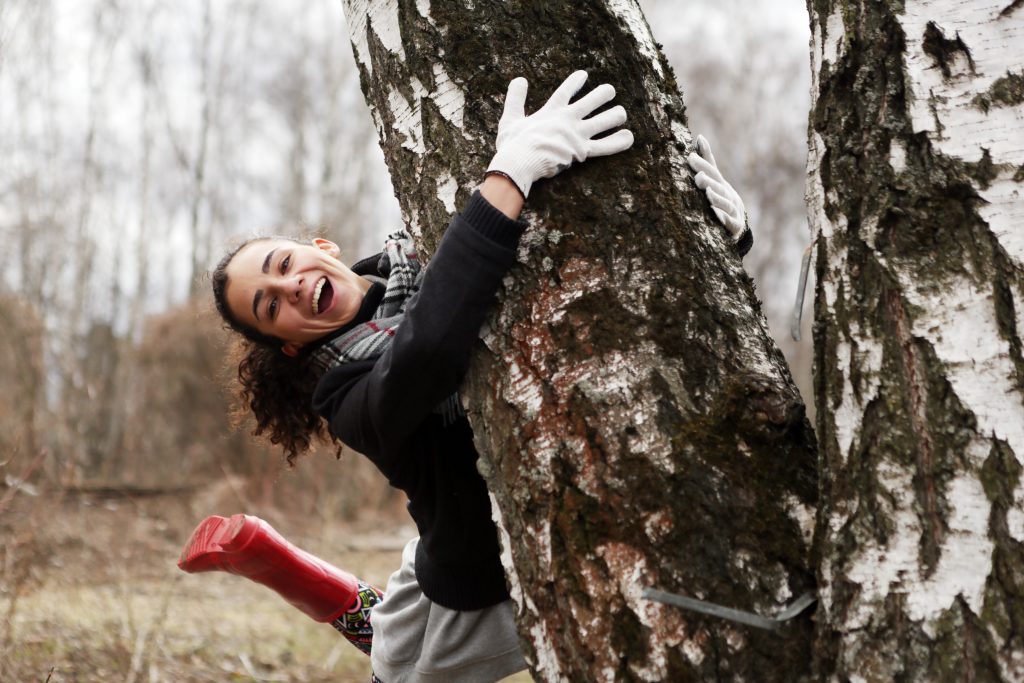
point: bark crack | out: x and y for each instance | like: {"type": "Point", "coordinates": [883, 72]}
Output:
{"type": "Point", "coordinates": [918, 396]}
{"type": "Point", "coordinates": [968, 650]}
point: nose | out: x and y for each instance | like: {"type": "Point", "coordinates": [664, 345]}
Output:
{"type": "Point", "coordinates": [292, 287]}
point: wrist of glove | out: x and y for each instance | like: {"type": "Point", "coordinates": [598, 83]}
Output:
{"type": "Point", "coordinates": [557, 135]}
{"type": "Point", "coordinates": [526, 165]}
{"type": "Point", "coordinates": [725, 201]}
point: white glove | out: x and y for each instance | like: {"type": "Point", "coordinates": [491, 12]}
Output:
{"type": "Point", "coordinates": [725, 201]}
{"type": "Point", "coordinates": [549, 140]}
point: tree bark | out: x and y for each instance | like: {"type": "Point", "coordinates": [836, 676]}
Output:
{"type": "Point", "coordinates": [916, 196]}
{"type": "Point", "coordinates": [637, 425]}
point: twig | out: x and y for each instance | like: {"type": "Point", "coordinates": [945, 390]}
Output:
{"type": "Point", "coordinates": [333, 656]}
{"type": "Point", "coordinates": [29, 469]}
{"type": "Point", "coordinates": [128, 491]}
{"type": "Point", "coordinates": [145, 635]}
{"type": "Point", "coordinates": [246, 505]}
{"type": "Point", "coordinates": [249, 669]}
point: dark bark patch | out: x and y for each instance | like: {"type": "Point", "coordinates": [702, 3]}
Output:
{"type": "Point", "coordinates": [616, 328]}
{"type": "Point", "coordinates": [963, 648]}
{"type": "Point", "coordinates": [1011, 8]}
{"type": "Point", "coordinates": [1004, 92]}
{"type": "Point", "coordinates": [1006, 315]}
{"type": "Point", "coordinates": [983, 170]}
{"type": "Point", "coordinates": [935, 226]}
{"type": "Point", "coordinates": [628, 635]}
{"type": "Point", "coordinates": [1004, 591]}
{"type": "Point", "coordinates": [944, 51]}
{"type": "Point", "coordinates": [1000, 475]}
{"type": "Point", "coordinates": [741, 434]}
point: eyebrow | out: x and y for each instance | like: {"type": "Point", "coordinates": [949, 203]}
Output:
{"type": "Point", "coordinates": [266, 261]}
{"type": "Point", "coordinates": [259, 292]}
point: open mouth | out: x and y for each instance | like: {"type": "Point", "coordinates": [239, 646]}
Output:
{"type": "Point", "coordinates": [323, 296]}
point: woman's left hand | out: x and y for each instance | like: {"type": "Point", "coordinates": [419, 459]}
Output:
{"type": "Point", "coordinates": [725, 201]}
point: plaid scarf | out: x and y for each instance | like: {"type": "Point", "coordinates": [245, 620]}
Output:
{"type": "Point", "coordinates": [400, 263]}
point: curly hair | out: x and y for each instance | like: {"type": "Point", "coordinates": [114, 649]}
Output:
{"type": "Point", "coordinates": [275, 387]}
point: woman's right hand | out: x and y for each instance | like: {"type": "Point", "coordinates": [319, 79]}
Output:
{"type": "Point", "coordinates": [552, 138]}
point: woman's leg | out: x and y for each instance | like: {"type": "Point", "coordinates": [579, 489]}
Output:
{"type": "Point", "coordinates": [250, 547]}
{"type": "Point", "coordinates": [354, 624]}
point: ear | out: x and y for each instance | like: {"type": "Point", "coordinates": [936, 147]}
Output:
{"type": "Point", "coordinates": [328, 246]}
{"type": "Point", "coordinates": [291, 349]}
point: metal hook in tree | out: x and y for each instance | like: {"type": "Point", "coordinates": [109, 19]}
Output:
{"type": "Point", "coordinates": [722, 612]}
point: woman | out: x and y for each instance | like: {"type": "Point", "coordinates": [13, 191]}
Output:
{"type": "Point", "coordinates": [378, 352]}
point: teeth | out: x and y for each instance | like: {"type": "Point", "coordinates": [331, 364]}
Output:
{"type": "Point", "coordinates": [316, 295]}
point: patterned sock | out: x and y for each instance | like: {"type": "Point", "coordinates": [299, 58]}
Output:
{"type": "Point", "coordinates": [354, 624]}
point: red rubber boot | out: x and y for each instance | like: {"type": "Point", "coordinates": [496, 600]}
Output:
{"type": "Point", "coordinates": [250, 547]}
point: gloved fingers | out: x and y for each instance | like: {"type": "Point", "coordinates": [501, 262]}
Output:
{"type": "Point", "coordinates": [704, 147]}
{"type": "Point", "coordinates": [723, 217]}
{"type": "Point", "coordinates": [606, 120]}
{"type": "Point", "coordinates": [702, 165]}
{"type": "Point", "coordinates": [708, 185]}
{"type": "Point", "coordinates": [616, 142]}
{"type": "Point", "coordinates": [515, 100]}
{"type": "Point", "coordinates": [602, 94]}
{"type": "Point", "coordinates": [729, 213]}
{"type": "Point", "coordinates": [720, 199]}
{"type": "Point", "coordinates": [569, 87]}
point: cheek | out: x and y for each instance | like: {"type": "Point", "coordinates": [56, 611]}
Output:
{"type": "Point", "coordinates": [289, 320]}
{"type": "Point", "coordinates": [349, 303]}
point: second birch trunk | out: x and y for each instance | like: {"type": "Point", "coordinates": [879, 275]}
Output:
{"type": "Point", "coordinates": [916, 192]}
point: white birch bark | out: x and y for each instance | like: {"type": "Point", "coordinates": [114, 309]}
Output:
{"type": "Point", "coordinates": [637, 424]}
{"type": "Point", "coordinates": [916, 198]}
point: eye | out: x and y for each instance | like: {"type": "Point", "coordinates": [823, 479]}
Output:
{"type": "Point", "coordinates": [285, 261]}
{"type": "Point", "coordinates": [272, 309]}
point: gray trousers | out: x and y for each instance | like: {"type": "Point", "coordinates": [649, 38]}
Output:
{"type": "Point", "coordinates": [417, 640]}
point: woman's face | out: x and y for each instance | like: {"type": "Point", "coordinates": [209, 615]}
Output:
{"type": "Point", "coordinates": [294, 291]}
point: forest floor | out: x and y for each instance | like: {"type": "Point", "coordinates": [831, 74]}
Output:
{"type": "Point", "coordinates": [91, 592]}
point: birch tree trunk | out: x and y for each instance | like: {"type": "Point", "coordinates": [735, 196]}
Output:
{"type": "Point", "coordinates": [637, 425]}
{"type": "Point", "coordinates": [916, 194]}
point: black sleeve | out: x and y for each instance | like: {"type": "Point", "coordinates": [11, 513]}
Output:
{"type": "Point", "coordinates": [372, 406]}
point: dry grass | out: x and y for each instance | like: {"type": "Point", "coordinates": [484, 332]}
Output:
{"type": "Point", "coordinates": [104, 601]}
{"type": "Point", "coordinates": [98, 596]}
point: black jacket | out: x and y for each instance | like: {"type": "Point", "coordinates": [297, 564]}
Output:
{"type": "Point", "coordinates": [383, 407]}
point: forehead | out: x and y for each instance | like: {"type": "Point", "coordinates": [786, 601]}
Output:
{"type": "Point", "coordinates": [249, 260]}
